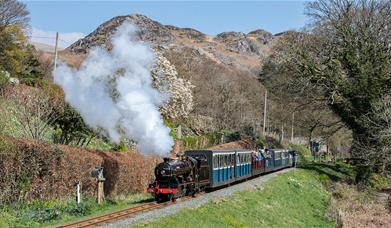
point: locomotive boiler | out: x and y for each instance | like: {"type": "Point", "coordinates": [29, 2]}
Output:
{"type": "Point", "coordinates": [179, 177]}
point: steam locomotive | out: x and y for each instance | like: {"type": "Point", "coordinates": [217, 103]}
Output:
{"type": "Point", "coordinates": [201, 170]}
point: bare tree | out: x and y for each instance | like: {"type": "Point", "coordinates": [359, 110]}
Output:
{"type": "Point", "coordinates": [13, 12]}
{"type": "Point", "coordinates": [34, 109]}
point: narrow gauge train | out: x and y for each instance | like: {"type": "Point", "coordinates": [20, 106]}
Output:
{"type": "Point", "coordinates": [200, 170]}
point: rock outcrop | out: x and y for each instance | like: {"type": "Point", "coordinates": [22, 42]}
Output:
{"type": "Point", "coordinates": [149, 30]}
{"type": "Point", "coordinates": [232, 49]}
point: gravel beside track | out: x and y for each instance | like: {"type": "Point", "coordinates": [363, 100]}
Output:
{"type": "Point", "coordinates": [198, 201]}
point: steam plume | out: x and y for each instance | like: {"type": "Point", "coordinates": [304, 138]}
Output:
{"type": "Point", "coordinates": [113, 91]}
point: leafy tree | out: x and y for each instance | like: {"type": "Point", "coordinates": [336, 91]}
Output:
{"type": "Point", "coordinates": [18, 57]}
{"type": "Point", "coordinates": [344, 60]}
{"type": "Point", "coordinates": [70, 128]}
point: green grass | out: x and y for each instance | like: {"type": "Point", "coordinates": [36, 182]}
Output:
{"type": "Point", "coordinates": [193, 142]}
{"type": "Point", "coordinates": [56, 212]}
{"type": "Point", "coordinates": [100, 144]}
{"type": "Point", "coordinates": [293, 199]}
{"type": "Point", "coordinates": [304, 152]}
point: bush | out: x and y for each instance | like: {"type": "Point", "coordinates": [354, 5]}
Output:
{"type": "Point", "coordinates": [70, 128]}
{"type": "Point", "coordinates": [43, 215]}
{"type": "Point", "coordinates": [121, 147]}
{"type": "Point", "coordinates": [376, 182]}
{"type": "Point", "coordinates": [230, 136]}
{"type": "Point", "coordinates": [78, 209]}
{"type": "Point", "coordinates": [4, 81]}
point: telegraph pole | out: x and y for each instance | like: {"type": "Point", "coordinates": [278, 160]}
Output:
{"type": "Point", "coordinates": [55, 52]}
{"type": "Point", "coordinates": [264, 115]}
{"type": "Point", "coordinates": [293, 120]}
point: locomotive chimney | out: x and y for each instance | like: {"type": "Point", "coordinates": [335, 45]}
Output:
{"type": "Point", "coordinates": [166, 160]}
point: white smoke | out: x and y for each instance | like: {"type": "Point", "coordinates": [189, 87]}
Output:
{"type": "Point", "coordinates": [113, 91]}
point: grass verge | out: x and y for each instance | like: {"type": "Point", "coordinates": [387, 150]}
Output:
{"type": "Point", "coordinates": [50, 213]}
{"type": "Point", "coordinates": [293, 199]}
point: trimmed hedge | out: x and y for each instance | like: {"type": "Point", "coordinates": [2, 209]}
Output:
{"type": "Point", "coordinates": [34, 170]}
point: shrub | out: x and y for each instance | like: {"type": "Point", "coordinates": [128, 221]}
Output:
{"type": "Point", "coordinates": [78, 209]}
{"type": "Point", "coordinates": [4, 81]}
{"type": "Point", "coordinates": [70, 128]}
{"type": "Point", "coordinates": [42, 215]}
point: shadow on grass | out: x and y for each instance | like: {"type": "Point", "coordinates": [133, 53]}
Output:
{"type": "Point", "coordinates": [145, 200]}
{"type": "Point", "coordinates": [335, 171]}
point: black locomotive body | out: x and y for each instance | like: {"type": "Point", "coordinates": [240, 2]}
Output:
{"type": "Point", "coordinates": [179, 177]}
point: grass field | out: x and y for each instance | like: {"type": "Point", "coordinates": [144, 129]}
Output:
{"type": "Point", "coordinates": [56, 212]}
{"type": "Point", "coordinates": [294, 199]}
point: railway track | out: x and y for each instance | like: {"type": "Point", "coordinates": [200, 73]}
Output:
{"type": "Point", "coordinates": [99, 220]}
{"type": "Point", "coordinates": [126, 213]}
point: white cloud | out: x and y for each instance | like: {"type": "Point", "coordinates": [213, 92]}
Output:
{"type": "Point", "coordinates": [49, 37]}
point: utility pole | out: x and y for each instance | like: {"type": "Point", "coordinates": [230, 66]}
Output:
{"type": "Point", "coordinates": [293, 121]}
{"type": "Point", "coordinates": [282, 133]}
{"type": "Point", "coordinates": [264, 115]}
{"type": "Point", "coordinates": [55, 52]}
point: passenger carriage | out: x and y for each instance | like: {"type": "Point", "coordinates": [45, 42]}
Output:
{"type": "Point", "coordinates": [226, 166]}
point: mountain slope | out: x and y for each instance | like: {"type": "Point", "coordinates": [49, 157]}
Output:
{"type": "Point", "coordinates": [233, 49]}
{"type": "Point", "coordinates": [223, 69]}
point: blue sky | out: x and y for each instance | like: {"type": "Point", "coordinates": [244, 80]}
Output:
{"type": "Point", "coordinates": [74, 19]}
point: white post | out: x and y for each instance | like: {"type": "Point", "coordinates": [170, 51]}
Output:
{"type": "Point", "coordinates": [78, 196]}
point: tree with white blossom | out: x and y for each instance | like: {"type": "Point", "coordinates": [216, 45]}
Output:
{"type": "Point", "coordinates": [179, 91]}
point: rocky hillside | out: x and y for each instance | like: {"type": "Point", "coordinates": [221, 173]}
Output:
{"type": "Point", "coordinates": [232, 49]}
{"type": "Point", "coordinates": [223, 69]}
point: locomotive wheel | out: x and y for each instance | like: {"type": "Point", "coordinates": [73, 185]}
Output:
{"type": "Point", "coordinates": [158, 198]}
{"type": "Point", "coordinates": [171, 198]}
